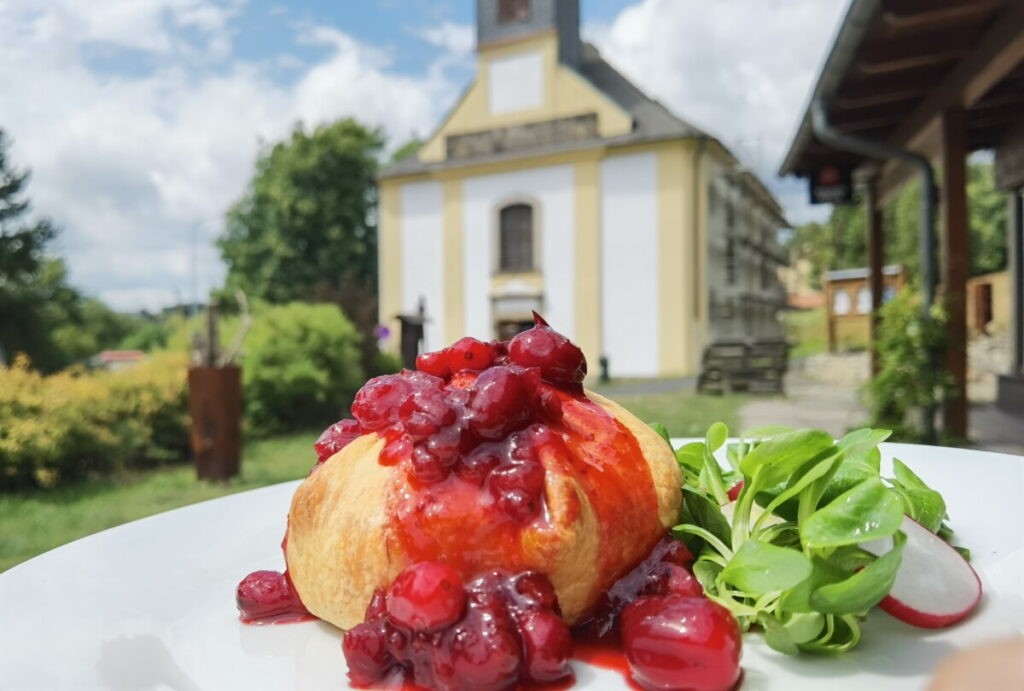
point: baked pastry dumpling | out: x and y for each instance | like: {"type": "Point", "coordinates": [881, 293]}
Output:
{"type": "Point", "coordinates": [490, 456]}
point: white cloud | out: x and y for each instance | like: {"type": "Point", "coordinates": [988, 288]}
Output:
{"type": "Point", "coordinates": [130, 167]}
{"type": "Point", "coordinates": [459, 39]}
{"type": "Point", "coordinates": [739, 69]}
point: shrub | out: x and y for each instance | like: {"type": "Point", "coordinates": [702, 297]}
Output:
{"type": "Point", "coordinates": [907, 380]}
{"type": "Point", "coordinates": [300, 368]}
{"type": "Point", "coordinates": [75, 423]}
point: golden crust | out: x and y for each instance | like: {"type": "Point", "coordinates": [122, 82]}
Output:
{"type": "Point", "coordinates": [341, 548]}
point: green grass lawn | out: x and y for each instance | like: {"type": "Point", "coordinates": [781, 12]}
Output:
{"type": "Point", "coordinates": [34, 522]}
{"type": "Point", "coordinates": [685, 414]}
{"type": "Point", "coordinates": [806, 329]}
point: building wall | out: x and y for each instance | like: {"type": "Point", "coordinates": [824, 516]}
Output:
{"type": "Point", "coordinates": [745, 292]}
{"type": "Point", "coordinates": [563, 93]}
{"type": "Point", "coordinates": [551, 192]}
{"type": "Point", "coordinates": [422, 257]}
{"type": "Point", "coordinates": [630, 296]}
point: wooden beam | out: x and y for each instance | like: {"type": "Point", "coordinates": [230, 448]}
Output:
{"type": "Point", "coordinates": [956, 267]}
{"type": "Point", "coordinates": [876, 261]}
{"type": "Point", "coordinates": [930, 13]}
{"type": "Point", "coordinates": [998, 52]}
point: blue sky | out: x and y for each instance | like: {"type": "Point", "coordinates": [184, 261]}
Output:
{"type": "Point", "coordinates": [141, 119]}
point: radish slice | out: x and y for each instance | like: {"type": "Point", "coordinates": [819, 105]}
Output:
{"type": "Point", "coordinates": [934, 586]}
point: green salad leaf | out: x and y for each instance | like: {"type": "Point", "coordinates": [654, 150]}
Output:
{"type": "Point", "coordinates": [785, 556]}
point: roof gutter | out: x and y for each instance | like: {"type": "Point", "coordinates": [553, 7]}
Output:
{"type": "Point", "coordinates": [871, 148]}
{"type": "Point", "coordinates": [851, 34]}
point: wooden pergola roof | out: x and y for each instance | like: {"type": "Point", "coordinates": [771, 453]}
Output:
{"type": "Point", "coordinates": [897, 64]}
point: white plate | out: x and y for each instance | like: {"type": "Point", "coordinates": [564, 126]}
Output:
{"type": "Point", "coordinates": [150, 604]}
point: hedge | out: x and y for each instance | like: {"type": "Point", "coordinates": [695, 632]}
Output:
{"type": "Point", "coordinates": [77, 423]}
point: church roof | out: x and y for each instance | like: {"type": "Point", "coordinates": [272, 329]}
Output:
{"type": "Point", "coordinates": [651, 122]}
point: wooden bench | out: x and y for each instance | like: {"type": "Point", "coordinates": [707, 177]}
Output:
{"type": "Point", "coordinates": [755, 366]}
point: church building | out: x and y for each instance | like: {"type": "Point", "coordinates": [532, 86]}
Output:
{"type": "Point", "coordinates": [554, 184]}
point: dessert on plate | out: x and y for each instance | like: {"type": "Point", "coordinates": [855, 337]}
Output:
{"type": "Point", "coordinates": [475, 509]}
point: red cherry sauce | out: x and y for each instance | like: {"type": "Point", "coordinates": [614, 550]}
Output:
{"type": "Point", "coordinates": [489, 634]}
{"type": "Point", "coordinates": [477, 429]}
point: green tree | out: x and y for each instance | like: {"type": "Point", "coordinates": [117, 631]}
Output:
{"type": "Point", "coordinates": [305, 229]}
{"type": "Point", "coordinates": [26, 274]}
{"type": "Point", "coordinates": [300, 367]}
{"type": "Point", "coordinates": [987, 216]}
{"type": "Point", "coordinates": [841, 243]}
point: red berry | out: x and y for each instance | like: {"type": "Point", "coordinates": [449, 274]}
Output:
{"type": "Point", "coordinates": [435, 363]}
{"type": "Point", "coordinates": [376, 404]}
{"type": "Point", "coordinates": [528, 477]}
{"type": "Point", "coordinates": [366, 652]}
{"type": "Point", "coordinates": [397, 449]}
{"type": "Point", "coordinates": [335, 438]}
{"type": "Point", "coordinates": [667, 578]}
{"type": "Point", "coordinates": [266, 594]}
{"type": "Point", "coordinates": [426, 596]}
{"type": "Point", "coordinates": [477, 466]}
{"type": "Point", "coordinates": [518, 505]}
{"type": "Point", "coordinates": [559, 359]}
{"type": "Point", "coordinates": [498, 403]}
{"type": "Point", "coordinates": [480, 653]}
{"type": "Point", "coordinates": [547, 645]}
{"type": "Point", "coordinates": [427, 467]}
{"type": "Point", "coordinates": [470, 354]}
{"type": "Point", "coordinates": [676, 642]}
{"type": "Point", "coordinates": [424, 412]}
{"type": "Point", "coordinates": [533, 589]}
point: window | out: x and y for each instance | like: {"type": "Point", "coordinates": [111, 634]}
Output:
{"type": "Point", "coordinates": [730, 261]}
{"type": "Point", "coordinates": [841, 302]}
{"type": "Point", "coordinates": [864, 300]}
{"type": "Point", "coordinates": [516, 238]}
{"type": "Point", "coordinates": [513, 11]}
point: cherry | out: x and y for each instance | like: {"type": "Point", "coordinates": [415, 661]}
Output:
{"type": "Point", "coordinates": [477, 466]}
{"type": "Point", "coordinates": [435, 363]}
{"type": "Point", "coordinates": [335, 438]}
{"type": "Point", "coordinates": [547, 645]}
{"type": "Point", "coordinates": [267, 594]}
{"type": "Point", "coordinates": [376, 404]}
{"type": "Point", "coordinates": [498, 403]}
{"type": "Point", "coordinates": [480, 653]}
{"type": "Point", "coordinates": [559, 359]}
{"type": "Point", "coordinates": [676, 642]}
{"type": "Point", "coordinates": [667, 578]}
{"type": "Point", "coordinates": [532, 589]}
{"type": "Point", "coordinates": [366, 651]}
{"type": "Point", "coordinates": [397, 448]}
{"type": "Point", "coordinates": [427, 467]}
{"type": "Point", "coordinates": [470, 354]}
{"type": "Point", "coordinates": [426, 596]}
{"type": "Point", "coordinates": [424, 412]}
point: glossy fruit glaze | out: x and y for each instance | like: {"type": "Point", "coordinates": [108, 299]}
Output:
{"type": "Point", "coordinates": [493, 632]}
{"type": "Point", "coordinates": [475, 430]}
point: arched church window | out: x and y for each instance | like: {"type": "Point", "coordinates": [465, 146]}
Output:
{"type": "Point", "coordinates": [516, 238]}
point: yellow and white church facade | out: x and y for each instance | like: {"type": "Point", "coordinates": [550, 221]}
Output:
{"type": "Point", "coordinates": [556, 185]}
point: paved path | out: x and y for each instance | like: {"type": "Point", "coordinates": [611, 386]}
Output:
{"type": "Point", "coordinates": [836, 409]}
{"type": "Point", "coordinates": [807, 403]}
{"type": "Point", "coordinates": [643, 387]}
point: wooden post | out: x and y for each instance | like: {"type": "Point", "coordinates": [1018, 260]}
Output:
{"type": "Point", "coordinates": [956, 265]}
{"type": "Point", "coordinates": [215, 405]}
{"type": "Point", "coordinates": [876, 263]}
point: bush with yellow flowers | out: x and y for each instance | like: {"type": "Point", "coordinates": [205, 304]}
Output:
{"type": "Point", "coordinates": [80, 423]}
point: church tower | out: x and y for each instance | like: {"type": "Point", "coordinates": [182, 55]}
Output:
{"type": "Point", "coordinates": [499, 22]}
